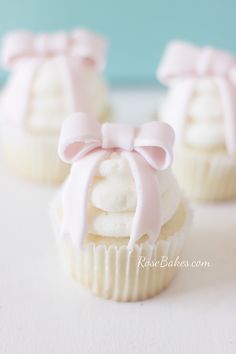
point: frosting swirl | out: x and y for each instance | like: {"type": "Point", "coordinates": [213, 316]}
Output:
{"type": "Point", "coordinates": [113, 198]}
{"type": "Point", "coordinates": [205, 124]}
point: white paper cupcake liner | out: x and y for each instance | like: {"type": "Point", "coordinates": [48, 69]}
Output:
{"type": "Point", "coordinates": [207, 177]}
{"type": "Point", "coordinates": [32, 156]}
{"type": "Point", "coordinates": [112, 272]}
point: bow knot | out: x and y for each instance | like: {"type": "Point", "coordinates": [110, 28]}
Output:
{"type": "Point", "coordinates": [118, 136]}
{"type": "Point", "coordinates": [84, 142]}
{"type": "Point", "coordinates": [55, 44]}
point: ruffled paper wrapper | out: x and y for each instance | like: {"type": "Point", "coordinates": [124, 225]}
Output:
{"type": "Point", "coordinates": [109, 270]}
{"type": "Point", "coordinates": [205, 176]}
{"type": "Point", "coordinates": [33, 156]}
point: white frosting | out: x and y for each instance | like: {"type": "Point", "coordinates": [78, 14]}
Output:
{"type": "Point", "coordinates": [206, 85]}
{"type": "Point", "coordinates": [113, 198]}
{"type": "Point", "coordinates": [205, 108]}
{"type": "Point", "coordinates": [205, 126]}
{"type": "Point", "coordinates": [50, 102]}
{"type": "Point", "coordinates": [115, 192]}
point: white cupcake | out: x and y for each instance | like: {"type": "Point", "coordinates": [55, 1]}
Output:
{"type": "Point", "coordinates": [51, 76]}
{"type": "Point", "coordinates": [120, 211]}
{"type": "Point", "coordinates": [200, 105]}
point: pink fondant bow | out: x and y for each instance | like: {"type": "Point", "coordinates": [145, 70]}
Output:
{"type": "Point", "coordinates": [182, 64]}
{"type": "Point", "coordinates": [24, 52]}
{"type": "Point", "coordinates": [84, 142]}
{"type": "Point", "coordinates": [80, 43]}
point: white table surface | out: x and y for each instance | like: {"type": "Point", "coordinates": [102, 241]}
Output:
{"type": "Point", "coordinates": [42, 311]}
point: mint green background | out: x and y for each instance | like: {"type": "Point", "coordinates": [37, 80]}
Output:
{"type": "Point", "coordinates": [137, 30]}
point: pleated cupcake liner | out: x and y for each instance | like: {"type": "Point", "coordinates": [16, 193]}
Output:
{"type": "Point", "coordinates": [206, 177]}
{"type": "Point", "coordinates": [33, 157]}
{"type": "Point", "coordinates": [112, 272]}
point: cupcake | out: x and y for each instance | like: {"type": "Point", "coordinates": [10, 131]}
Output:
{"type": "Point", "coordinates": [51, 76]}
{"type": "Point", "coordinates": [201, 106]}
{"type": "Point", "coordinates": [120, 219]}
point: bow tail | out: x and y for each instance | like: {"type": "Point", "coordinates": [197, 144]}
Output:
{"type": "Point", "coordinates": [18, 92]}
{"type": "Point", "coordinates": [147, 218]}
{"type": "Point", "coordinates": [76, 194]}
{"type": "Point", "coordinates": [228, 96]}
{"type": "Point", "coordinates": [181, 92]}
{"type": "Point", "coordinates": [75, 85]}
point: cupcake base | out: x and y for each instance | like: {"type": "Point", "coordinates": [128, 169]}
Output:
{"type": "Point", "coordinates": [109, 270]}
{"type": "Point", "coordinates": [33, 156]}
{"type": "Point", "coordinates": [205, 176]}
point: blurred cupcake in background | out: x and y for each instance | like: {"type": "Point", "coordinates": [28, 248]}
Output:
{"type": "Point", "coordinates": [201, 106]}
{"type": "Point", "coordinates": [120, 213]}
{"type": "Point", "coordinates": [51, 76]}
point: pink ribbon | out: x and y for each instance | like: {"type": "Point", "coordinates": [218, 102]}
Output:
{"type": "Point", "coordinates": [85, 143]}
{"type": "Point", "coordinates": [182, 64]}
{"type": "Point", "coordinates": [23, 52]}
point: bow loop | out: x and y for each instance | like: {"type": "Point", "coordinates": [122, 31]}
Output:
{"type": "Point", "coordinates": [177, 62]}
{"type": "Point", "coordinates": [79, 135]}
{"type": "Point", "coordinates": [119, 136]}
{"type": "Point", "coordinates": [85, 45]}
{"type": "Point", "coordinates": [154, 142]}
{"type": "Point", "coordinates": [214, 63]}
